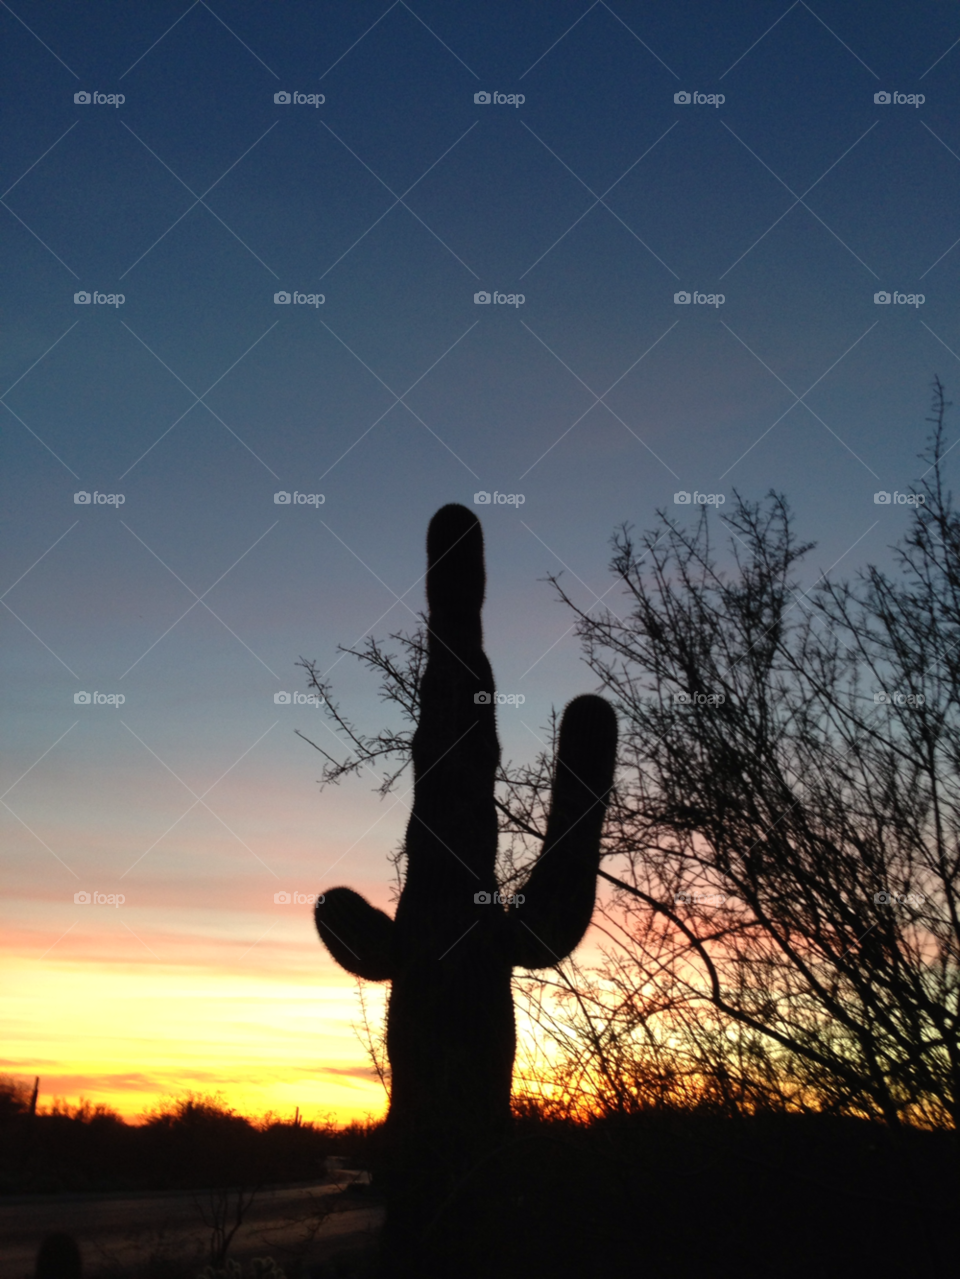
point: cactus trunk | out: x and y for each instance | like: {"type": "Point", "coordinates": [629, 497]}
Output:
{"type": "Point", "coordinates": [451, 948]}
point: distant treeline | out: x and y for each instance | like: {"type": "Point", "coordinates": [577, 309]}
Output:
{"type": "Point", "coordinates": [191, 1142]}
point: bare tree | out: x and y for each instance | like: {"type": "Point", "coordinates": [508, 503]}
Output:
{"type": "Point", "coordinates": [789, 807]}
{"type": "Point", "coordinates": [223, 1214]}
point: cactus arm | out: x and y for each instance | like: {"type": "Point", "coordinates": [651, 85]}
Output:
{"type": "Point", "coordinates": [357, 935]}
{"type": "Point", "coordinates": [559, 895]}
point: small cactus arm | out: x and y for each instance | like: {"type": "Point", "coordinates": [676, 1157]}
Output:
{"type": "Point", "coordinates": [450, 949]}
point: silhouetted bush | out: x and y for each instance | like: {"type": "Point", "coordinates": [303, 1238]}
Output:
{"type": "Point", "coordinates": [189, 1143]}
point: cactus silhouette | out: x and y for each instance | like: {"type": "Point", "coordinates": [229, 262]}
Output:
{"type": "Point", "coordinates": [450, 949]}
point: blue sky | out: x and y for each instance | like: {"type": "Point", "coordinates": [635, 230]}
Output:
{"type": "Point", "coordinates": [597, 199]}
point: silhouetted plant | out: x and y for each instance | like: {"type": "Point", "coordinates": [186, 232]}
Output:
{"type": "Point", "coordinates": [450, 950]}
{"type": "Point", "coordinates": [790, 823]}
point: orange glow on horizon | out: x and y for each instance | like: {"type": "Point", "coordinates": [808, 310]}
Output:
{"type": "Point", "coordinates": [129, 1038]}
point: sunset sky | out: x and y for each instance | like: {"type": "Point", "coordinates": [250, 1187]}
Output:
{"type": "Point", "coordinates": [198, 398]}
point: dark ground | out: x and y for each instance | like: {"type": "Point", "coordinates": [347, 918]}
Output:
{"type": "Point", "coordinates": [662, 1193]}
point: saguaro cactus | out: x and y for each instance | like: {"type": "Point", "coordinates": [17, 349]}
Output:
{"type": "Point", "coordinates": [450, 950]}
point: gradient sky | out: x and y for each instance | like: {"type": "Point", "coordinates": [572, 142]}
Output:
{"type": "Point", "coordinates": [199, 398]}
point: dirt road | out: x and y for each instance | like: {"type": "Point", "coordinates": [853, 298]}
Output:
{"type": "Point", "coordinates": [287, 1223]}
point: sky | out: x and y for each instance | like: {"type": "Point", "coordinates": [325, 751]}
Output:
{"type": "Point", "coordinates": [587, 167]}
